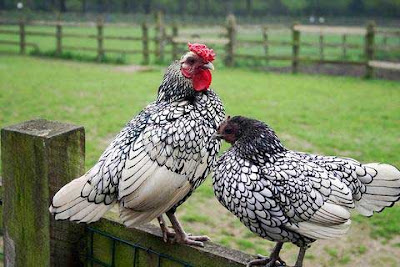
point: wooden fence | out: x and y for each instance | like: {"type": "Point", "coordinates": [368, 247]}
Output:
{"type": "Point", "coordinates": [38, 157]}
{"type": "Point", "coordinates": [60, 35]}
{"type": "Point", "coordinates": [228, 39]}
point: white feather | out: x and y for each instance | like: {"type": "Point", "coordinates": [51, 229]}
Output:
{"type": "Point", "coordinates": [156, 195]}
{"type": "Point", "coordinates": [383, 191]}
{"type": "Point", "coordinates": [68, 203]}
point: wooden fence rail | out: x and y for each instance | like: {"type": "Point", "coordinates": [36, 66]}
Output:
{"type": "Point", "coordinates": [60, 35]}
{"type": "Point", "coordinates": [227, 37]}
{"type": "Point", "coordinates": [39, 157]}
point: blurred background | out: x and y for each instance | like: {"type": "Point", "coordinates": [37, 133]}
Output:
{"type": "Point", "coordinates": [324, 74]}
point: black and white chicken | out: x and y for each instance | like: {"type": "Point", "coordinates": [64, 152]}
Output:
{"type": "Point", "coordinates": [162, 155]}
{"type": "Point", "coordinates": [288, 196]}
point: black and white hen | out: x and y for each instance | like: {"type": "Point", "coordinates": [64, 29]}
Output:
{"type": "Point", "coordinates": [288, 196]}
{"type": "Point", "coordinates": [160, 157]}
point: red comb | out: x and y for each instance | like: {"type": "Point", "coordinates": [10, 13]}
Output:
{"type": "Point", "coordinates": [202, 51]}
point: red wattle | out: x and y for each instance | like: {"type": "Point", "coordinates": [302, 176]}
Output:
{"type": "Point", "coordinates": [202, 80]}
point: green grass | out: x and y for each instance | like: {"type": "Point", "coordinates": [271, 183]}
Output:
{"type": "Point", "coordinates": [319, 114]}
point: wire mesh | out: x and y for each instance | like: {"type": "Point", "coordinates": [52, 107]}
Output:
{"type": "Point", "coordinates": [93, 260]}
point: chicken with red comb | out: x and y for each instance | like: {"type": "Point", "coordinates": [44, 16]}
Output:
{"type": "Point", "coordinates": [159, 158]}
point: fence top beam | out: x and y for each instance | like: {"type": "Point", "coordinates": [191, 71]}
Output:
{"type": "Point", "coordinates": [331, 29]}
{"type": "Point", "coordinates": [184, 40]}
{"type": "Point", "coordinates": [150, 236]}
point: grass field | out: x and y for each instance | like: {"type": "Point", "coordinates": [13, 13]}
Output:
{"type": "Point", "coordinates": [318, 114]}
{"type": "Point", "coordinates": [249, 32]}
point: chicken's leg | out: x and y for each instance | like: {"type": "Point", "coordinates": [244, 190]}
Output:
{"type": "Point", "coordinates": [300, 257]}
{"type": "Point", "coordinates": [181, 236]}
{"type": "Point", "coordinates": [272, 261]}
{"type": "Point", "coordinates": [167, 234]}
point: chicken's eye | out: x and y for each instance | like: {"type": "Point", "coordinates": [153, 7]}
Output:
{"type": "Point", "coordinates": [190, 60]}
{"type": "Point", "coordinates": [228, 131]}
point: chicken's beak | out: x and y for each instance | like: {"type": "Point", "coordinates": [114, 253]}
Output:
{"type": "Point", "coordinates": [217, 136]}
{"type": "Point", "coordinates": [209, 66]}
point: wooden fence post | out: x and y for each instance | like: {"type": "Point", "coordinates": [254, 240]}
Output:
{"type": "Point", "coordinates": [174, 44]}
{"type": "Point", "coordinates": [59, 38]}
{"type": "Point", "coordinates": [265, 42]}
{"type": "Point", "coordinates": [295, 48]}
{"type": "Point", "coordinates": [321, 46]}
{"type": "Point", "coordinates": [369, 49]}
{"type": "Point", "coordinates": [100, 38]}
{"type": "Point", "coordinates": [160, 37]}
{"type": "Point", "coordinates": [38, 157]}
{"type": "Point", "coordinates": [145, 43]}
{"type": "Point", "coordinates": [230, 46]}
{"type": "Point", "coordinates": [22, 43]}
{"type": "Point", "coordinates": [384, 40]}
{"type": "Point", "coordinates": [344, 50]}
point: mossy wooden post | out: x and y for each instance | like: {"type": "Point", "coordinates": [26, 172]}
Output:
{"type": "Point", "coordinates": [230, 46]}
{"type": "Point", "coordinates": [58, 38]}
{"type": "Point", "coordinates": [295, 48]}
{"type": "Point", "coordinates": [160, 36]}
{"type": "Point", "coordinates": [384, 40]}
{"type": "Point", "coordinates": [321, 47]}
{"type": "Point", "coordinates": [174, 43]}
{"type": "Point", "coordinates": [100, 38]}
{"type": "Point", "coordinates": [38, 157]}
{"type": "Point", "coordinates": [145, 43]}
{"type": "Point", "coordinates": [344, 50]}
{"type": "Point", "coordinates": [22, 43]}
{"type": "Point", "coordinates": [265, 42]}
{"type": "Point", "coordinates": [369, 49]}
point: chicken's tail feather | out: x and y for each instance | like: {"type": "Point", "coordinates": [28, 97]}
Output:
{"type": "Point", "coordinates": [68, 204]}
{"type": "Point", "coordinates": [382, 191]}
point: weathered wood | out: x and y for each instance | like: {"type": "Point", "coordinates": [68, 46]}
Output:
{"type": "Point", "coordinates": [369, 49]}
{"type": "Point", "coordinates": [302, 59]}
{"type": "Point", "coordinates": [321, 46]}
{"type": "Point", "coordinates": [149, 236]}
{"type": "Point", "coordinates": [84, 48]}
{"type": "Point", "coordinates": [185, 40]}
{"type": "Point", "coordinates": [344, 51]}
{"type": "Point", "coordinates": [295, 48]}
{"type": "Point", "coordinates": [388, 48]}
{"type": "Point", "coordinates": [145, 43]}
{"type": "Point", "coordinates": [9, 32]}
{"type": "Point", "coordinates": [1, 210]}
{"type": "Point", "coordinates": [174, 44]}
{"type": "Point", "coordinates": [100, 38]}
{"type": "Point", "coordinates": [330, 29]}
{"type": "Point", "coordinates": [203, 31]}
{"type": "Point", "coordinates": [21, 37]}
{"type": "Point", "coordinates": [38, 157]}
{"type": "Point", "coordinates": [109, 50]}
{"type": "Point", "coordinates": [35, 46]}
{"type": "Point", "coordinates": [265, 41]}
{"type": "Point", "coordinates": [384, 65]}
{"type": "Point", "coordinates": [388, 32]}
{"type": "Point", "coordinates": [36, 33]}
{"type": "Point", "coordinates": [59, 39]}
{"type": "Point", "coordinates": [230, 46]}
{"type": "Point", "coordinates": [160, 36]}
